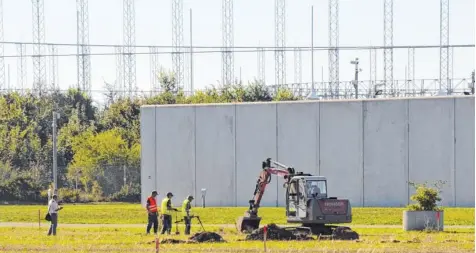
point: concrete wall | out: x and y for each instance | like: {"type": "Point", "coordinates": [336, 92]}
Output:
{"type": "Point", "coordinates": [368, 150]}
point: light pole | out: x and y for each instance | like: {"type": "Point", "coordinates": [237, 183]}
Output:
{"type": "Point", "coordinates": [204, 192]}
{"type": "Point", "coordinates": [356, 79]}
{"type": "Point", "coordinates": [56, 116]}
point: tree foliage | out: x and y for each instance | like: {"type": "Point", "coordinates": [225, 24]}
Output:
{"type": "Point", "coordinates": [98, 148]}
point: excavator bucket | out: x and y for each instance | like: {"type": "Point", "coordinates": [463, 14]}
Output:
{"type": "Point", "coordinates": [247, 224]}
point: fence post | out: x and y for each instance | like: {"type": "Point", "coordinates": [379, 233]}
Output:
{"type": "Point", "coordinates": [157, 243]}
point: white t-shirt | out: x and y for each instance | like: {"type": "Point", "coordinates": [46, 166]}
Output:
{"type": "Point", "coordinates": [52, 206]}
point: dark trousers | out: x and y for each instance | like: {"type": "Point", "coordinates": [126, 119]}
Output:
{"type": "Point", "coordinates": [167, 224]}
{"type": "Point", "coordinates": [54, 224]}
{"type": "Point", "coordinates": [188, 224]}
{"type": "Point", "coordinates": [153, 219]}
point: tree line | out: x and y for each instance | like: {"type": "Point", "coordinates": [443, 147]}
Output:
{"type": "Point", "coordinates": [98, 147]}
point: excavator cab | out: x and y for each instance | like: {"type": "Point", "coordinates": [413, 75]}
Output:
{"type": "Point", "coordinates": [299, 191]}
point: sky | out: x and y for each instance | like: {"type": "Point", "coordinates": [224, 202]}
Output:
{"type": "Point", "coordinates": [416, 22]}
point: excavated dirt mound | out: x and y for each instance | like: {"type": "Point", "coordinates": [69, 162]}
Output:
{"type": "Point", "coordinates": [206, 237]}
{"type": "Point", "coordinates": [344, 233]}
{"type": "Point", "coordinates": [171, 241]}
{"type": "Point", "coordinates": [275, 233]}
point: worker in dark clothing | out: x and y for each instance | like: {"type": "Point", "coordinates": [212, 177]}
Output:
{"type": "Point", "coordinates": [187, 217]}
{"type": "Point", "coordinates": [166, 209]}
{"type": "Point", "coordinates": [153, 217]}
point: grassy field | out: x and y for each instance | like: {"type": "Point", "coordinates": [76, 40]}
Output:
{"type": "Point", "coordinates": [135, 214]}
{"type": "Point", "coordinates": [134, 240]}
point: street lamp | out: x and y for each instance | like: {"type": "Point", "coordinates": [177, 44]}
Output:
{"type": "Point", "coordinates": [356, 79]}
{"type": "Point", "coordinates": [56, 116]}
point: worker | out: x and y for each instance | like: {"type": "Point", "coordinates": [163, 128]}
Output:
{"type": "Point", "coordinates": [187, 217]}
{"type": "Point", "coordinates": [166, 208]}
{"type": "Point", "coordinates": [152, 211]}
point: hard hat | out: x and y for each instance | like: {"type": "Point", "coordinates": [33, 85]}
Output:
{"type": "Point", "coordinates": [189, 197]}
{"type": "Point", "coordinates": [169, 194]}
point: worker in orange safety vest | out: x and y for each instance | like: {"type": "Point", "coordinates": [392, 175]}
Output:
{"type": "Point", "coordinates": [152, 212]}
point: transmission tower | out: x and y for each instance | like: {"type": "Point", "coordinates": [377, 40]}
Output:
{"type": "Point", "coordinates": [119, 83]}
{"type": "Point", "coordinates": [39, 68]}
{"type": "Point", "coordinates": [411, 71]}
{"type": "Point", "coordinates": [21, 67]}
{"type": "Point", "coordinates": [333, 51]}
{"type": "Point", "coordinates": [388, 42]}
{"type": "Point", "coordinates": [373, 67]}
{"type": "Point", "coordinates": [2, 59]}
{"type": "Point", "coordinates": [227, 34]}
{"type": "Point", "coordinates": [53, 67]}
{"type": "Point", "coordinates": [177, 42]}
{"type": "Point", "coordinates": [153, 60]}
{"type": "Point", "coordinates": [129, 39]}
{"type": "Point", "coordinates": [261, 65]}
{"type": "Point", "coordinates": [444, 42]}
{"type": "Point", "coordinates": [83, 58]}
{"type": "Point", "coordinates": [297, 71]}
{"type": "Point", "coordinates": [280, 41]}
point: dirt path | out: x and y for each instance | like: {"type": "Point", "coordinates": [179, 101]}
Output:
{"type": "Point", "coordinates": [45, 224]}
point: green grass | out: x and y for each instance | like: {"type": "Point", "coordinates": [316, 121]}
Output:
{"type": "Point", "coordinates": [135, 214]}
{"type": "Point", "coordinates": [134, 240]}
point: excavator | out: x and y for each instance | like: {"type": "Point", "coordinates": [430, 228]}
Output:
{"type": "Point", "coordinates": [307, 202]}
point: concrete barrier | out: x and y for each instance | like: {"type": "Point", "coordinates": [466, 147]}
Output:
{"type": "Point", "coordinates": [368, 149]}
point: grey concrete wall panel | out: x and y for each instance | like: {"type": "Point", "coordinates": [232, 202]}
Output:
{"type": "Point", "coordinates": [464, 151]}
{"type": "Point", "coordinates": [298, 139]}
{"type": "Point", "coordinates": [147, 166]}
{"type": "Point", "coordinates": [431, 144]}
{"type": "Point", "coordinates": [175, 151]}
{"type": "Point", "coordinates": [341, 151]}
{"type": "Point", "coordinates": [255, 141]}
{"type": "Point", "coordinates": [215, 154]}
{"type": "Point", "coordinates": [385, 153]}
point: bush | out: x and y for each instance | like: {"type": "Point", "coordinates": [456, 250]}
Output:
{"type": "Point", "coordinates": [127, 194]}
{"type": "Point", "coordinates": [426, 197]}
{"type": "Point", "coordinates": [21, 188]}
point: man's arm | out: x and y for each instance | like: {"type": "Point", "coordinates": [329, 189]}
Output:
{"type": "Point", "coordinates": [169, 206]}
{"type": "Point", "coordinates": [147, 206]}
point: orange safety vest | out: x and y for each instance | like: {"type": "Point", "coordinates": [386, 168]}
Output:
{"type": "Point", "coordinates": [152, 204]}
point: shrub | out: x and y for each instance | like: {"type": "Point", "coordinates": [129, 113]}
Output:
{"type": "Point", "coordinates": [127, 194]}
{"type": "Point", "coordinates": [426, 196]}
{"type": "Point", "coordinates": [21, 188]}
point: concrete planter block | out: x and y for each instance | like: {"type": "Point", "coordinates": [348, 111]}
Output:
{"type": "Point", "coordinates": [421, 220]}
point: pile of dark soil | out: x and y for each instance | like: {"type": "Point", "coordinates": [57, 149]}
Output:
{"type": "Point", "coordinates": [276, 233]}
{"type": "Point", "coordinates": [344, 233]}
{"type": "Point", "coordinates": [171, 241]}
{"type": "Point", "coordinates": [206, 237]}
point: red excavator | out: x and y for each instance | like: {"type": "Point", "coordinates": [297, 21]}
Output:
{"type": "Point", "coordinates": [306, 202]}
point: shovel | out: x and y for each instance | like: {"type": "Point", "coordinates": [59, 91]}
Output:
{"type": "Point", "coordinates": [176, 225]}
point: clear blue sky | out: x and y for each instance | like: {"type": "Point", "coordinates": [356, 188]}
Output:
{"type": "Point", "coordinates": [416, 22]}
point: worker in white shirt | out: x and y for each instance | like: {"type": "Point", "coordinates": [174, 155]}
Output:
{"type": "Point", "coordinates": [53, 209]}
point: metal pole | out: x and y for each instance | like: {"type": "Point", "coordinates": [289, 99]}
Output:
{"type": "Point", "coordinates": [55, 165]}
{"type": "Point", "coordinates": [191, 54]}
{"type": "Point", "coordinates": [312, 47]}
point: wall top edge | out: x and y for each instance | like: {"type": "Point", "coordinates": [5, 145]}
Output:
{"type": "Point", "coordinates": [311, 101]}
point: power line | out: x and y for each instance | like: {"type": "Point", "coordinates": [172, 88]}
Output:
{"type": "Point", "coordinates": [254, 50]}
{"type": "Point", "coordinates": [271, 48]}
